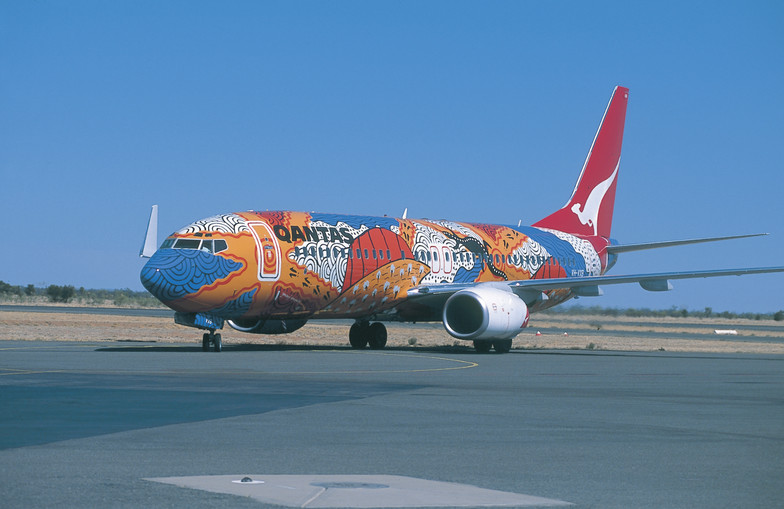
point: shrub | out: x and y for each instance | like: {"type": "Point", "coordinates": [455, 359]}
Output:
{"type": "Point", "coordinates": [60, 293]}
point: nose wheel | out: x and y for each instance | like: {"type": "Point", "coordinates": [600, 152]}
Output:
{"type": "Point", "coordinates": [211, 339]}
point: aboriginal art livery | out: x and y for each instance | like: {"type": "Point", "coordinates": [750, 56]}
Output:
{"type": "Point", "coordinates": [270, 272]}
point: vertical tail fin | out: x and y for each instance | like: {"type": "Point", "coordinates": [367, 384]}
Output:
{"type": "Point", "coordinates": [590, 208]}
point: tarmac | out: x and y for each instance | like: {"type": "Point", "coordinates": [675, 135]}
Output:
{"type": "Point", "coordinates": [130, 424]}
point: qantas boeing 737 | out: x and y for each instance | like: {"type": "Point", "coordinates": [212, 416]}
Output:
{"type": "Point", "coordinates": [270, 272]}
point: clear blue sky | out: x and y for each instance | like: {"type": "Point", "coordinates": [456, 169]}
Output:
{"type": "Point", "coordinates": [477, 111]}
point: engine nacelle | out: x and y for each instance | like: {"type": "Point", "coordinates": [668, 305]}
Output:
{"type": "Point", "coordinates": [263, 326]}
{"type": "Point", "coordinates": [484, 313]}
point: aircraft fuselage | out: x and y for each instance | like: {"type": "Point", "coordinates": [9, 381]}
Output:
{"type": "Point", "coordinates": [284, 265]}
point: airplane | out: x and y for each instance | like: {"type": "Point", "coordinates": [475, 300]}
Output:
{"type": "Point", "coordinates": [269, 272]}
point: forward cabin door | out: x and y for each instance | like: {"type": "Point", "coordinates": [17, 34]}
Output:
{"type": "Point", "coordinates": [267, 251]}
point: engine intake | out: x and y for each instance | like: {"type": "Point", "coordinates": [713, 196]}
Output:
{"type": "Point", "coordinates": [485, 313]}
{"type": "Point", "coordinates": [266, 326]}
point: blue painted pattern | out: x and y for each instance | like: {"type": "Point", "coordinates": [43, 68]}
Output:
{"type": "Point", "coordinates": [174, 273]}
{"type": "Point", "coordinates": [208, 321]}
{"type": "Point", "coordinates": [560, 249]}
{"type": "Point", "coordinates": [356, 221]}
{"type": "Point", "coordinates": [237, 307]}
{"type": "Point", "coordinates": [465, 275]}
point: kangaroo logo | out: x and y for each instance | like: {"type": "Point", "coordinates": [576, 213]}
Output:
{"type": "Point", "coordinates": [589, 214]}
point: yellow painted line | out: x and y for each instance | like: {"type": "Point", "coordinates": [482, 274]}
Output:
{"type": "Point", "coordinates": [466, 364]}
{"type": "Point", "coordinates": [462, 364]}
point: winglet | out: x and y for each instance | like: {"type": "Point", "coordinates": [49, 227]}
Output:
{"type": "Point", "coordinates": [151, 237]}
{"type": "Point", "coordinates": [590, 208]}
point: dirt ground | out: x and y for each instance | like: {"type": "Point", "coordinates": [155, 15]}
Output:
{"type": "Point", "coordinates": [582, 332]}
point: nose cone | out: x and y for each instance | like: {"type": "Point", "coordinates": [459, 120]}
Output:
{"type": "Point", "coordinates": [172, 274]}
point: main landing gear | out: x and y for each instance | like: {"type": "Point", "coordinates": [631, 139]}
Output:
{"type": "Point", "coordinates": [211, 338]}
{"type": "Point", "coordinates": [364, 333]}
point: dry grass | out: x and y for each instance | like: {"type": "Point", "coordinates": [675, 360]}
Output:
{"type": "Point", "coordinates": [58, 326]}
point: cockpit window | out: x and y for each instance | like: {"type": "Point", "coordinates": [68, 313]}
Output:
{"type": "Point", "coordinates": [187, 244]}
{"type": "Point", "coordinates": [208, 245]}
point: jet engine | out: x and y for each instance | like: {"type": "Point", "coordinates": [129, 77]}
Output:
{"type": "Point", "coordinates": [265, 326]}
{"type": "Point", "coordinates": [485, 313]}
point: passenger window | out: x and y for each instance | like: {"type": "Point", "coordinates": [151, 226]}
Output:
{"type": "Point", "coordinates": [389, 257]}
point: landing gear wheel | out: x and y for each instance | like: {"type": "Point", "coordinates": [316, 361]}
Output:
{"type": "Point", "coordinates": [358, 335]}
{"type": "Point", "coordinates": [205, 342]}
{"type": "Point", "coordinates": [217, 342]}
{"type": "Point", "coordinates": [482, 346]}
{"type": "Point", "coordinates": [377, 336]}
{"type": "Point", "coordinates": [502, 345]}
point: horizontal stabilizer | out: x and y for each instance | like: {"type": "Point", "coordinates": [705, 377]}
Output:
{"type": "Point", "coordinates": [650, 280]}
{"type": "Point", "coordinates": [625, 248]}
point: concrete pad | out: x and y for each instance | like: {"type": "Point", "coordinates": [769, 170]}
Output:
{"type": "Point", "coordinates": [356, 491]}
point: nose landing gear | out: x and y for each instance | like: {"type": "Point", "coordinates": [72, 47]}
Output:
{"type": "Point", "coordinates": [211, 338]}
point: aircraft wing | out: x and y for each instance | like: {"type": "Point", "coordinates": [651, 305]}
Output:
{"type": "Point", "coordinates": [530, 289]}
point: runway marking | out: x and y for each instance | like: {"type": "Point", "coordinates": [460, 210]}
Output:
{"type": "Point", "coordinates": [460, 364]}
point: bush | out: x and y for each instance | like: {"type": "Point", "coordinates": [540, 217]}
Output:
{"type": "Point", "coordinates": [6, 289]}
{"type": "Point", "coordinates": [60, 293]}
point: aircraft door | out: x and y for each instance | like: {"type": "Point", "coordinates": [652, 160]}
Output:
{"type": "Point", "coordinates": [267, 251]}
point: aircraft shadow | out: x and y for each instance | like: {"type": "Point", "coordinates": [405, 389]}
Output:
{"type": "Point", "coordinates": [460, 350]}
{"type": "Point", "coordinates": [250, 347]}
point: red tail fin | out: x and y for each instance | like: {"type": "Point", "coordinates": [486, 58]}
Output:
{"type": "Point", "coordinates": [589, 210]}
